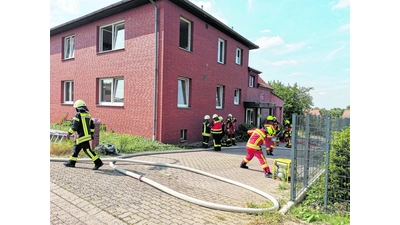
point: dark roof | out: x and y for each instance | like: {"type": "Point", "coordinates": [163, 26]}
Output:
{"type": "Point", "coordinates": [129, 4]}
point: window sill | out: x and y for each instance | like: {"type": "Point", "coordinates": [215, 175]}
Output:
{"type": "Point", "coordinates": [68, 59]}
{"type": "Point", "coordinates": [110, 105]}
{"type": "Point", "coordinates": [113, 50]}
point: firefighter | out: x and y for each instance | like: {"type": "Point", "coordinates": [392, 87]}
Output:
{"type": "Point", "coordinates": [223, 137]}
{"type": "Point", "coordinates": [82, 127]}
{"type": "Point", "coordinates": [258, 137]}
{"type": "Point", "coordinates": [270, 145]}
{"type": "Point", "coordinates": [216, 131]}
{"type": "Point", "coordinates": [230, 130]}
{"type": "Point", "coordinates": [206, 132]}
{"type": "Point", "coordinates": [288, 134]}
{"type": "Point", "coordinates": [278, 131]}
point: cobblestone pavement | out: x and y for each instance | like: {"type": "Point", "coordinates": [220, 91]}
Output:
{"type": "Point", "coordinates": [83, 196]}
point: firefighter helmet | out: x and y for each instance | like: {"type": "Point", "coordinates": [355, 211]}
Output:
{"type": "Point", "coordinates": [274, 118]}
{"type": "Point", "coordinates": [80, 105]}
{"type": "Point", "coordinates": [270, 118]}
{"type": "Point", "coordinates": [206, 117]}
{"type": "Point", "coordinates": [230, 115]}
{"type": "Point", "coordinates": [220, 118]}
{"type": "Point", "coordinates": [215, 116]}
{"type": "Point", "coordinates": [287, 121]}
{"type": "Point", "coordinates": [268, 131]}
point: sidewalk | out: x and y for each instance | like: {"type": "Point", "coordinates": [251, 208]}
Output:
{"type": "Point", "coordinates": [83, 196]}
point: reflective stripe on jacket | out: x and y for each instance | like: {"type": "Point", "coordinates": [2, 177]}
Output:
{"type": "Point", "coordinates": [257, 138]}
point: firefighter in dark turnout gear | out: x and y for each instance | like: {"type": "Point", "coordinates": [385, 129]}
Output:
{"type": "Point", "coordinates": [206, 131]}
{"type": "Point", "coordinates": [82, 127]}
{"type": "Point", "coordinates": [216, 131]}
{"type": "Point", "coordinates": [230, 130]}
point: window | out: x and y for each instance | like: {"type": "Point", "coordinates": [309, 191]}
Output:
{"type": "Point", "coordinates": [111, 91]}
{"type": "Point", "coordinates": [219, 96]}
{"type": "Point", "coordinates": [68, 91]}
{"type": "Point", "coordinates": [69, 46]}
{"type": "Point", "coordinates": [221, 50]}
{"type": "Point", "coordinates": [238, 56]}
{"type": "Point", "coordinates": [112, 36]}
{"type": "Point", "coordinates": [185, 33]}
{"type": "Point", "coordinates": [183, 135]}
{"type": "Point", "coordinates": [251, 81]}
{"type": "Point", "coordinates": [183, 93]}
{"type": "Point", "coordinates": [236, 97]}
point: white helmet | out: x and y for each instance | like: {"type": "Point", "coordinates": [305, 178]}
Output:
{"type": "Point", "coordinates": [215, 116]}
{"type": "Point", "coordinates": [229, 115]}
{"type": "Point", "coordinates": [206, 117]}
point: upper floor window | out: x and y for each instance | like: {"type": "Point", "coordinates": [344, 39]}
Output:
{"type": "Point", "coordinates": [251, 81]}
{"type": "Point", "coordinates": [112, 36]}
{"type": "Point", "coordinates": [239, 56]}
{"type": "Point", "coordinates": [69, 46]}
{"type": "Point", "coordinates": [183, 92]}
{"type": "Point", "coordinates": [111, 91]}
{"type": "Point", "coordinates": [221, 50]}
{"type": "Point", "coordinates": [219, 96]}
{"type": "Point", "coordinates": [236, 97]}
{"type": "Point", "coordinates": [185, 34]}
{"type": "Point", "coordinates": [68, 91]}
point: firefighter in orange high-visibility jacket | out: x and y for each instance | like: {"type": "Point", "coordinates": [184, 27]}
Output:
{"type": "Point", "coordinates": [83, 127]}
{"type": "Point", "coordinates": [270, 145]}
{"type": "Point", "coordinates": [258, 137]}
{"type": "Point", "coordinates": [206, 131]}
{"type": "Point", "coordinates": [217, 132]}
{"type": "Point", "coordinates": [230, 130]}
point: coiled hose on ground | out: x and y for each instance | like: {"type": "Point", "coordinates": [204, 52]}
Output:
{"type": "Point", "coordinates": [180, 195]}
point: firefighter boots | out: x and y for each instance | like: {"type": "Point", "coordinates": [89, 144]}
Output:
{"type": "Point", "coordinates": [243, 165]}
{"type": "Point", "coordinates": [268, 175]}
{"type": "Point", "coordinates": [97, 164]}
{"type": "Point", "coordinates": [70, 163]}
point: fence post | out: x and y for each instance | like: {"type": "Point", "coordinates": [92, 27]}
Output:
{"type": "Point", "coordinates": [293, 158]}
{"type": "Point", "coordinates": [327, 148]}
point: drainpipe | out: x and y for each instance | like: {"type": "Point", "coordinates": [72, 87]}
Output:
{"type": "Point", "coordinates": [155, 70]}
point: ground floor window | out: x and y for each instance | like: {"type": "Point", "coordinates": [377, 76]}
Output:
{"type": "Point", "coordinates": [111, 91]}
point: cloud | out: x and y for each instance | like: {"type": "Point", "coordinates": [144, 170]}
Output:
{"type": "Point", "coordinates": [341, 4]}
{"type": "Point", "coordinates": [267, 42]}
{"type": "Point", "coordinates": [265, 31]}
{"type": "Point", "coordinates": [295, 74]}
{"type": "Point", "coordinates": [344, 28]}
{"type": "Point", "coordinates": [284, 62]}
{"type": "Point", "coordinates": [65, 6]}
{"type": "Point", "coordinates": [209, 7]}
{"type": "Point", "coordinates": [249, 4]}
{"type": "Point", "coordinates": [332, 53]}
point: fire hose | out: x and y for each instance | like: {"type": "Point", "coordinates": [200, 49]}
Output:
{"type": "Point", "coordinates": [165, 189]}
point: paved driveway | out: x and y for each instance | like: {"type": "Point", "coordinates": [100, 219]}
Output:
{"type": "Point", "coordinates": [84, 196]}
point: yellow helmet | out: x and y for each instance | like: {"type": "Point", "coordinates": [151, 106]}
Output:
{"type": "Point", "coordinates": [79, 103]}
{"type": "Point", "coordinates": [287, 121]}
{"type": "Point", "coordinates": [206, 117]}
{"type": "Point", "coordinates": [268, 130]}
{"type": "Point", "coordinates": [274, 118]}
{"type": "Point", "coordinates": [270, 118]}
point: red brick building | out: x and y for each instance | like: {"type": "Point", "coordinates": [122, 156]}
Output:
{"type": "Point", "coordinates": [154, 69]}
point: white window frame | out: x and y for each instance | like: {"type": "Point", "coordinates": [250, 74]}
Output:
{"type": "Point", "coordinates": [116, 96]}
{"type": "Point", "coordinates": [183, 92]}
{"type": "Point", "coordinates": [68, 92]}
{"type": "Point", "coordinates": [69, 47]}
{"type": "Point", "coordinates": [188, 34]}
{"type": "Point", "coordinates": [239, 56]}
{"type": "Point", "coordinates": [236, 96]}
{"type": "Point", "coordinates": [184, 135]}
{"type": "Point", "coordinates": [117, 36]}
{"type": "Point", "coordinates": [221, 50]}
{"type": "Point", "coordinates": [251, 81]}
{"type": "Point", "coordinates": [219, 99]}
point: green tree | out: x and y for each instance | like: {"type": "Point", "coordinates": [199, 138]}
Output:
{"type": "Point", "coordinates": [296, 98]}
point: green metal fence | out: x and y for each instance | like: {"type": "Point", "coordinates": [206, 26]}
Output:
{"type": "Point", "coordinates": [312, 139]}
